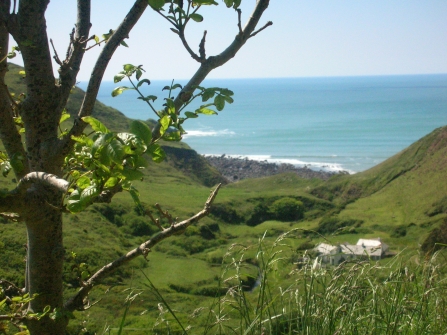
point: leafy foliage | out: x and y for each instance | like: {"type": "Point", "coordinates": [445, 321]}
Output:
{"type": "Point", "coordinates": [287, 209]}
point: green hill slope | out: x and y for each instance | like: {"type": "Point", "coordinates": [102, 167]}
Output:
{"type": "Point", "coordinates": [422, 156]}
{"type": "Point", "coordinates": [400, 200]}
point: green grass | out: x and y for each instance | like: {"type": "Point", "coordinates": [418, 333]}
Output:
{"type": "Point", "coordinates": [404, 295]}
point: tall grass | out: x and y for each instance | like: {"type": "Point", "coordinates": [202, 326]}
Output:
{"type": "Point", "coordinates": [269, 290]}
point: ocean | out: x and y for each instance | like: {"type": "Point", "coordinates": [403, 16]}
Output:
{"type": "Point", "coordinates": [332, 124]}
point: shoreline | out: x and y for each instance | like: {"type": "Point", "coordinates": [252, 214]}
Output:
{"type": "Point", "coordinates": [236, 168]}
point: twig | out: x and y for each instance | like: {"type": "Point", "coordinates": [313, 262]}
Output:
{"type": "Point", "coordinates": [202, 47]}
{"type": "Point", "coordinates": [258, 31]}
{"type": "Point", "coordinates": [56, 57]}
{"type": "Point", "coordinates": [77, 301]}
{"type": "Point", "coordinates": [181, 34]}
{"type": "Point", "coordinates": [239, 24]}
{"type": "Point", "coordinates": [69, 50]}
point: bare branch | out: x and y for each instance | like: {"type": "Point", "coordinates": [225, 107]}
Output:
{"type": "Point", "coordinates": [202, 47]}
{"type": "Point", "coordinates": [239, 24]}
{"type": "Point", "coordinates": [213, 62]}
{"type": "Point", "coordinates": [56, 56]}
{"type": "Point", "coordinates": [77, 301]}
{"type": "Point", "coordinates": [181, 34]}
{"type": "Point", "coordinates": [70, 67]}
{"type": "Point", "coordinates": [47, 179]}
{"type": "Point", "coordinates": [261, 29]}
{"type": "Point", "coordinates": [98, 72]}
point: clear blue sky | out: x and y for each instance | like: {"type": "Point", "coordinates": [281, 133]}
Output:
{"type": "Point", "coordinates": [308, 38]}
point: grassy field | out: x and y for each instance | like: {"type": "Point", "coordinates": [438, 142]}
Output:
{"type": "Point", "coordinates": [210, 266]}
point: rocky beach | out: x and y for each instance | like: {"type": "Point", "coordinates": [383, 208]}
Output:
{"type": "Point", "coordinates": [235, 169]}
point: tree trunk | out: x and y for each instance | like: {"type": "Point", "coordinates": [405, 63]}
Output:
{"type": "Point", "coordinates": [45, 258]}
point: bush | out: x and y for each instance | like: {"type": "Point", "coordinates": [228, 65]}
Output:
{"type": "Point", "coordinates": [226, 213]}
{"type": "Point", "coordinates": [436, 240]}
{"type": "Point", "coordinates": [287, 209]}
{"type": "Point", "coordinates": [330, 225]}
{"type": "Point", "coordinates": [399, 231]}
{"type": "Point", "coordinates": [139, 227]}
{"type": "Point", "coordinates": [305, 246]}
{"type": "Point", "coordinates": [260, 214]}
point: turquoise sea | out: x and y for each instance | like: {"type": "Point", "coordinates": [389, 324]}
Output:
{"type": "Point", "coordinates": [334, 123]}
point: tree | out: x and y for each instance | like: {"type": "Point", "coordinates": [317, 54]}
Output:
{"type": "Point", "coordinates": [58, 171]}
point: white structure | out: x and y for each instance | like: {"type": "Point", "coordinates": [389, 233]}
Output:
{"type": "Point", "coordinates": [373, 249]}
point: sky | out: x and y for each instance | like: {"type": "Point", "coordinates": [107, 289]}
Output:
{"type": "Point", "coordinates": [309, 38]}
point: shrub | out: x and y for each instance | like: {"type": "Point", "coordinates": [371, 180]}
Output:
{"type": "Point", "coordinates": [399, 231]}
{"type": "Point", "coordinates": [260, 214]}
{"type": "Point", "coordinates": [331, 224]}
{"type": "Point", "coordinates": [139, 227]}
{"type": "Point", "coordinates": [436, 240]}
{"type": "Point", "coordinates": [287, 209]}
{"type": "Point", "coordinates": [226, 213]}
{"type": "Point", "coordinates": [305, 246]}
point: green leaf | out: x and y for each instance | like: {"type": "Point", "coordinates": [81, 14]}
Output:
{"type": "Point", "coordinates": [83, 182]}
{"type": "Point", "coordinates": [139, 74]}
{"type": "Point", "coordinates": [85, 275]}
{"type": "Point", "coordinates": [226, 91]}
{"type": "Point", "coordinates": [205, 111]}
{"type": "Point", "coordinates": [157, 153]}
{"type": "Point", "coordinates": [87, 141]}
{"type": "Point", "coordinates": [141, 130]}
{"type": "Point", "coordinates": [204, 2]}
{"type": "Point", "coordinates": [208, 94]}
{"type": "Point", "coordinates": [111, 182]}
{"type": "Point", "coordinates": [172, 136]}
{"type": "Point", "coordinates": [115, 151]}
{"type": "Point", "coordinates": [129, 67]}
{"type": "Point", "coordinates": [165, 122]}
{"type": "Point", "coordinates": [191, 115]}
{"type": "Point", "coordinates": [117, 91]}
{"type": "Point", "coordinates": [219, 101]}
{"type": "Point", "coordinates": [89, 193]}
{"type": "Point", "coordinates": [95, 124]}
{"type": "Point", "coordinates": [156, 4]}
{"type": "Point", "coordinates": [132, 174]}
{"type": "Point", "coordinates": [118, 77]}
{"type": "Point", "coordinates": [196, 17]}
{"type": "Point", "coordinates": [135, 196]}
{"type": "Point", "coordinates": [124, 44]}
{"type": "Point", "coordinates": [176, 86]}
{"type": "Point", "coordinates": [64, 117]}
{"type": "Point", "coordinates": [75, 206]}
{"type": "Point", "coordinates": [101, 141]}
{"type": "Point", "coordinates": [141, 82]}
{"type": "Point", "coordinates": [148, 98]}
{"type": "Point", "coordinates": [228, 99]}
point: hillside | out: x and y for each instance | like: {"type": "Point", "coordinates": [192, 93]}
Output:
{"type": "Point", "coordinates": [401, 200]}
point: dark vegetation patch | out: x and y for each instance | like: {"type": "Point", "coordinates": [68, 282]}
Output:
{"type": "Point", "coordinates": [333, 224]}
{"type": "Point", "coordinates": [193, 165]}
{"type": "Point", "coordinates": [227, 213]}
{"type": "Point", "coordinates": [399, 231]}
{"type": "Point", "coordinates": [436, 240]}
{"type": "Point", "coordinates": [439, 207]}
